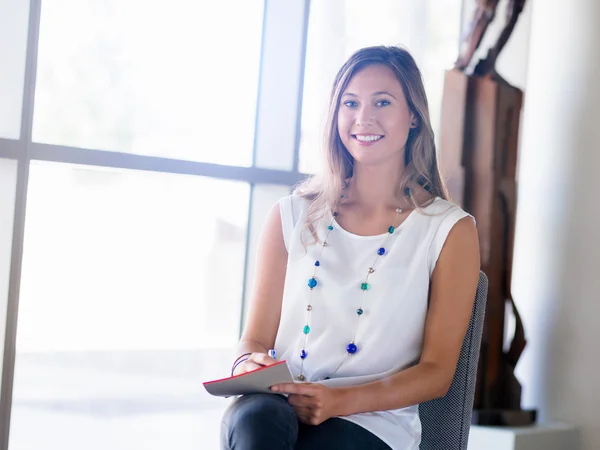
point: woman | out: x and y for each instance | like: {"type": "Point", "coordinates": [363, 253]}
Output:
{"type": "Point", "coordinates": [366, 277]}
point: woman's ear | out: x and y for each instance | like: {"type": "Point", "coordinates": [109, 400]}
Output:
{"type": "Point", "coordinates": [414, 120]}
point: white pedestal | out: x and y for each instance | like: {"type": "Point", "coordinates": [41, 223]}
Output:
{"type": "Point", "coordinates": [537, 437]}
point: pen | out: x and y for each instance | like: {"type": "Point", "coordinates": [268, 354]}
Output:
{"type": "Point", "coordinates": [273, 353]}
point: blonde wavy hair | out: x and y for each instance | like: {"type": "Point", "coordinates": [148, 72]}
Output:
{"type": "Point", "coordinates": [421, 165]}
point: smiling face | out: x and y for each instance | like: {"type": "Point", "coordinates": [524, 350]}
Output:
{"type": "Point", "coordinates": [374, 118]}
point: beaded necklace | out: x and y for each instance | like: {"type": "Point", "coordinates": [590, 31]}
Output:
{"type": "Point", "coordinates": [352, 348]}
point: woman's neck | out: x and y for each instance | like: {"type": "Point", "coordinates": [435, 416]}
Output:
{"type": "Point", "coordinates": [376, 187]}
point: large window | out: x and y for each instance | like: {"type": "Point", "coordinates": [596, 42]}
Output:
{"type": "Point", "coordinates": [155, 78]}
{"type": "Point", "coordinates": [141, 146]}
{"type": "Point", "coordinates": [143, 260]}
{"type": "Point", "coordinates": [429, 29]}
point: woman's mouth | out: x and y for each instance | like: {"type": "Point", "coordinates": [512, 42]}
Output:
{"type": "Point", "coordinates": [367, 139]}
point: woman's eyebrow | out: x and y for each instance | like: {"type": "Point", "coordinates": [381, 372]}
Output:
{"type": "Point", "coordinates": [383, 92]}
{"type": "Point", "coordinates": [350, 94]}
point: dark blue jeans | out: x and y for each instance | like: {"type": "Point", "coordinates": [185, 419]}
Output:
{"type": "Point", "coordinates": [267, 422]}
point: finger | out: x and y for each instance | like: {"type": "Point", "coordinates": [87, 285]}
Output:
{"type": "Point", "coordinates": [302, 411]}
{"type": "Point", "coordinates": [304, 419]}
{"type": "Point", "coordinates": [308, 419]}
{"type": "Point", "coordinates": [307, 389]}
{"type": "Point", "coordinates": [246, 366]}
{"type": "Point", "coordinates": [261, 358]}
{"type": "Point", "coordinates": [301, 401]}
{"type": "Point", "coordinates": [304, 415]}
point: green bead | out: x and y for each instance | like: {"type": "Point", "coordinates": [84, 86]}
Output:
{"type": "Point", "coordinates": [359, 311]}
{"type": "Point", "coordinates": [330, 227]}
{"type": "Point", "coordinates": [306, 329]}
{"type": "Point", "coordinates": [391, 229]}
{"type": "Point", "coordinates": [364, 286]}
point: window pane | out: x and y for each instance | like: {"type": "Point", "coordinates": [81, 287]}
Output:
{"type": "Point", "coordinates": [157, 78]}
{"type": "Point", "coordinates": [130, 297]}
{"type": "Point", "coordinates": [8, 186]}
{"type": "Point", "coordinates": [14, 16]}
{"type": "Point", "coordinates": [429, 29]}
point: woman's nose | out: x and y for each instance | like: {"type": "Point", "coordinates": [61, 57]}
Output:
{"type": "Point", "coordinates": [364, 117]}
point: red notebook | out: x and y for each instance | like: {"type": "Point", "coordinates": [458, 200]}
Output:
{"type": "Point", "coordinates": [257, 381]}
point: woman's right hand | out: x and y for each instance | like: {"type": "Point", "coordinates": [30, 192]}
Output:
{"type": "Point", "coordinates": [255, 361]}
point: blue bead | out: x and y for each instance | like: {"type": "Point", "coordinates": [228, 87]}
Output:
{"type": "Point", "coordinates": [352, 348]}
{"type": "Point", "coordinates": [359, 311]}
{"type": "Point", "coordinates": [317, 263]}
{"type": "Point", "coordinates": [381, 251]}
{"type": "Point", "coordinates": [303, 354]}
{"type": "Point", "coordinates": [330, 227]}
{"type": "Point", "coordinates": [312, 283]}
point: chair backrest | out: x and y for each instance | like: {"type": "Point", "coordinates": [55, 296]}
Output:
{"type": "Point", "coordinates": [446, 421]}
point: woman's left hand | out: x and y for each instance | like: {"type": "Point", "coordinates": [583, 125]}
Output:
{"type": "Point", "coordinates": [313, 403]}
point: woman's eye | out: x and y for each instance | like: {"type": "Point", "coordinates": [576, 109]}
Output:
{"type": "Point", "coordinates": [382, 103]}
{"type": "Point", "coordinates": [350, 104]}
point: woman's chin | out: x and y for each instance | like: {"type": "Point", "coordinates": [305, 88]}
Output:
{"type": "Point", "coordinates": [365, 157]}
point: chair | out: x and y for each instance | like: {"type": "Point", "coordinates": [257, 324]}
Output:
{"type": "Point", "coordinates": [446, 421]}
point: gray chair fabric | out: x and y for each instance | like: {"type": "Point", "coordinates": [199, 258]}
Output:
{"type": "Point", "coordinates": [446, 421]}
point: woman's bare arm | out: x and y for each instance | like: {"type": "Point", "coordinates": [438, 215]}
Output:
{"type": "Point", "coordinates": [265, 302]}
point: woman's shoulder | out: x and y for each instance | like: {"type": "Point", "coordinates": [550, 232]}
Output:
{"type": "Point", "coordinates": [442, 207]}
{"type": "Point", "coordinates": [292, 208]}
{"type": "Point", "coordinates": [294, 200]}
{"type": "Point", "coordinates": [442, 215]}
{"type": "Point", "coordinates": [440, 212]}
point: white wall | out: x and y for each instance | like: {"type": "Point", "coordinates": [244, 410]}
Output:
{"type": "Point", "coordinates": [556, 278]}
{"type": "Point", "coordinates": [554, 56]}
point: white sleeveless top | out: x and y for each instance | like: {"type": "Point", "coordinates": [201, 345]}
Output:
{"type": "Point", "coordinates": [390, 332]}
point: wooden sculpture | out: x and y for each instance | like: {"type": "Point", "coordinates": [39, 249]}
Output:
{"type": "Point", "coordinates": [479, 137]}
